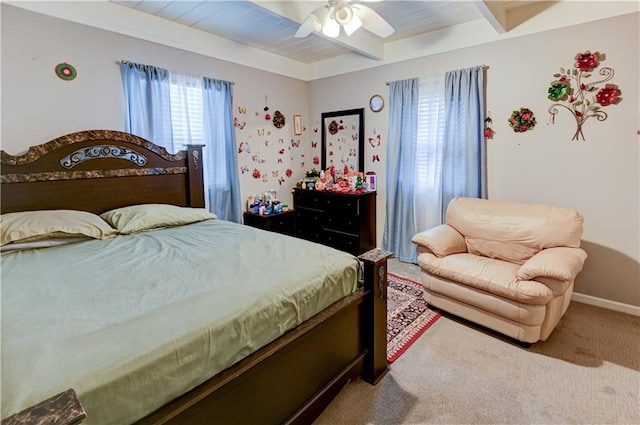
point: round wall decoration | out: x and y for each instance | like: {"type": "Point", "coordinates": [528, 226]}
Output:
{"type": "Point", "coordinates": [522, 120]}
{"type": "Point", "coordinates": [376, 103]}
{"type": "Point", "coordinates": [65, 71]}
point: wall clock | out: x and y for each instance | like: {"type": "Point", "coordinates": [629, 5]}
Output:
{"type": "Point", "coordinates": [376, 103]}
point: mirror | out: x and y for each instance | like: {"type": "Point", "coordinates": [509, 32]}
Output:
{"type": "Point", "coordinates": [343, 139]}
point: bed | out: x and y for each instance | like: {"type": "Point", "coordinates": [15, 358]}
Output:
{"type": "Point", "coordinates": [139, 326]}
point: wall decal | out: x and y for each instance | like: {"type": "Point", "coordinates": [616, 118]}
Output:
{"type": "Point", "coordinates": [571, 87]}
{"type": "Point", "coordinates": [266, 108]}
{"type": "Point", "coordinates": [237, 124]}
{"type": "Point", "coordinates": [522, 120]}
{"type": "Point", "coordinates": [488, 131]}
{"type": "Point", "coordinates": [65, 71]}
{"type": "Point", "coordinates": [278, 119]}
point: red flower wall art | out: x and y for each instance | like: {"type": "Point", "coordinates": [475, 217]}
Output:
{"type": "Point", "coordinates": [583, 99]}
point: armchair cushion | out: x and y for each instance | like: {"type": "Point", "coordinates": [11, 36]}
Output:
{"type": "Point", "coordinates": [441, 240]}
{"type": "Point", "coordinates": [513, 231]}
{"type": "Point", "coordinates": [487, 274]}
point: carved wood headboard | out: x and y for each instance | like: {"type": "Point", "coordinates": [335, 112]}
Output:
{"type": "Point", "coordinates": [98, 170]}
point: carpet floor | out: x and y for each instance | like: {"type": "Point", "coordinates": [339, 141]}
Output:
{"type": "Point", "coordinates": [408, 315]}
{"type": "Point", "coordinates": [587, 372]}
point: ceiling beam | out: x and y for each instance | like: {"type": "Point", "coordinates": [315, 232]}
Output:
{"type": "Point", "coordinates": [495, 13]}
{"type": "Point", "coordinates": [361, 41]}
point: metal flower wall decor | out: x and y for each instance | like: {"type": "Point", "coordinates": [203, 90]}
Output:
{"type": "Point", "coordinates": [571, 87]}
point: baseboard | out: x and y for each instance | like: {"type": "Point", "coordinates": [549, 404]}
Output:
{"type": "Point", "coordinates": [608, 304]}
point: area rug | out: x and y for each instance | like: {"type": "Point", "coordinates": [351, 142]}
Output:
{"type": "Point", "coordinates": [408, 315]}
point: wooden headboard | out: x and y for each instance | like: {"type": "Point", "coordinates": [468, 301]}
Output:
{"type": "Point", "coordinates": [98, 170]}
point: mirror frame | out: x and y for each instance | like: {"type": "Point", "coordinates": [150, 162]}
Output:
{"type": "Point", "coordinates": [353, 133]}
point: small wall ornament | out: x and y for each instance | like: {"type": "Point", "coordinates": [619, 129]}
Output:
{"type": "Point", "coordinates": [488, 131]}
{"type": "Point", "coordinates": [571, 87]}
{"type": "Point", "coordinates": [65, 71]}
{"type": "Point", "coordinates": [522, 120]}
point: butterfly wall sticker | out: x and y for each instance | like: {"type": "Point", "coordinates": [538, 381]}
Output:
{"type": "Point", "coordinates": [376, 158]}
{"type": "Point", "coordinates": [237, 124]}
{"type": "Point", "coordinates": [244, 169]}
{"type": "Point", "coordinates": [314, 144]}
{"type": "Point", "coordinates": [242, 110]}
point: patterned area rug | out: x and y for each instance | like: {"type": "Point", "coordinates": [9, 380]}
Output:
{"type": "Point", "coordinates": [408, 315]}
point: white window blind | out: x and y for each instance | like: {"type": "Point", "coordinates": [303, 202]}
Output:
{"type": "Point", "coordinates": [431, 122]}
{"type": "Point", "coordinates": [186, 110]}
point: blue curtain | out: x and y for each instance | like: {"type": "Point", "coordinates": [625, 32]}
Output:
{"type": "Point", "coordinates": [146, 92]}
{"type": "Point", "coordinates": [464, 153]}
{"type": "Point", "coordinates": [400, 222]}
{"type": "Point", "coordinates": [223, 187]}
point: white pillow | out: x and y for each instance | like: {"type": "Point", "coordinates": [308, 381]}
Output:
{"type": "Point", "coordinates": [137, 218]}
{"type": "Point", "coordinates": [30, 226]}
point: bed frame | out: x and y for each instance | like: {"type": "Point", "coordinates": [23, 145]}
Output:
{"type": "Point", "coordinates": [292, 379]}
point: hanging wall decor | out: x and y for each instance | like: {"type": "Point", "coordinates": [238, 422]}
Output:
{"type": "Point", "coordinates": [522, 120]}
{"type": "Point", "coordinates": [488, 131]}
{"type": "Point", "coordinates": [571, 87]}
{"type": "Point", "coordinates": [65, 71]}
{"type": "Point", "coordinates": [278, 119]}
{"type": "Point", "coordinates": [267, 116]}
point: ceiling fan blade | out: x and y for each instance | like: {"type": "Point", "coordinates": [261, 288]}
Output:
{"type": "Point", "coordinates": [373, 22]}
{"type": "Point", "coordinates": [312, 23]}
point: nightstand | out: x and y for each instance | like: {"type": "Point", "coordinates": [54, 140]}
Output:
{"type": "Point", "coordinates": [280, 223]}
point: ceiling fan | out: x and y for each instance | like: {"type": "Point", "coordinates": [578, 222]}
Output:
{"type": "Point", "coordinates": [344, 14]}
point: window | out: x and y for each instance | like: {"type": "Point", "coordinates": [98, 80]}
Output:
{"type": "Point", "coordinates": [429, 143]}
{"type": "Point", "coordinates": [186, 110]}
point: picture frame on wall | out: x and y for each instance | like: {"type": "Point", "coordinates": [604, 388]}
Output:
{"type": "Point", "coordinates": [343, 139]}
{"type": "Point", "coordinates": [297, 125]}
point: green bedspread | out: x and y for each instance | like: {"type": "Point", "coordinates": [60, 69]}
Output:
{"type": "Point", "coordinates": [134, 321]}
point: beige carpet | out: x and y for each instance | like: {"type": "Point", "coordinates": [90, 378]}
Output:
{"type": "Point", "coordinates": [587, 372]}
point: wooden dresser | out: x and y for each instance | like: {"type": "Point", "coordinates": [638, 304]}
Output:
{"type": "Point", "coordinates": [343, 221]}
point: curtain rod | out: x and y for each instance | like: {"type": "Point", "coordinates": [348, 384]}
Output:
{"type": "Point", "coordinates": [126, 61]}
{"type": "Point", "coordinates": [386, 83]}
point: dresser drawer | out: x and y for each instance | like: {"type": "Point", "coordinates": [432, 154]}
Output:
{"type": "Point", "coordinates": [308, 199]}
{"type": "Point", "coordinates": [343, 205]}
{"type": "Point", "coordinates": [342, 241]}
{"type": "Point", "coordinates": [342, 223]}
{"type": "Point", "coordinates": [308, 224]}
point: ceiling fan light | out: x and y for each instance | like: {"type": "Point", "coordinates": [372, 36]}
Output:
{"type": "Point", "coordinates": [331, 28]}
{"type": "Point", "coordinates": [343, 15]}
{"type": "Point", "coordinates": [352, 26]}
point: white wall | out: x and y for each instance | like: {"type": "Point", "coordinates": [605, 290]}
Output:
{"type": "Point", "coordinates": [37, 106]}
{"type": "Point", "coordinates": [598, 177]}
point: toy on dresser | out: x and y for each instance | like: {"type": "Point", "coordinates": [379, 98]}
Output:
{"type": "Point", "coordinates": [335, 180]}
{"type": "Point", "coordinates": [265, 204]}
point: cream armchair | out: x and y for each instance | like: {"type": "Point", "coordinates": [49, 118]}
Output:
{"type": "Point", "coordinates": [507, 266]}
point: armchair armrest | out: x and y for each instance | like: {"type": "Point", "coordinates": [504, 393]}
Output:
{"type": "Point", "coordinates": [441, 240]}
{"type": "Point", "coordinates": [561, 263]}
